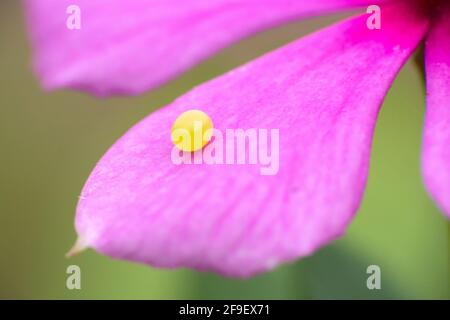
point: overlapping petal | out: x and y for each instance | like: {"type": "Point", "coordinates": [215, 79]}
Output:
{"type": "Point", "coordinates": [436, 146]}
{"type": "Point", "coordinates": [129, 46]}
{"type": "Point", "coordinates": [323, 93]}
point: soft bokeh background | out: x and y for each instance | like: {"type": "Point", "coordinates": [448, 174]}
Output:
{"type": "Point", "coordinates": [49, 142]}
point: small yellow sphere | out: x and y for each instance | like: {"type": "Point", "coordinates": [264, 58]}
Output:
{"type": "Point", "coordinates": [192, 130]}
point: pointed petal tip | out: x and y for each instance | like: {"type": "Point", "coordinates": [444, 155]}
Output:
{"type": "Point", "coordinates": [79, 246]}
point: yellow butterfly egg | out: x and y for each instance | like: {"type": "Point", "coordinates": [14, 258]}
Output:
{"type": "Point", "coordinates": [192, 130]}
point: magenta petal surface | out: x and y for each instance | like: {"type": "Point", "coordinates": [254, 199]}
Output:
{"type": "Point", "coordinates": [323, 93]}
{"type": "Point", "coordinates": [129, 46]}
{"type": "Point", "coordinates": [436, 146]}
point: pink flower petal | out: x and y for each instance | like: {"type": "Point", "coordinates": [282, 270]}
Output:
{"type": "Point", "coordinates": [436, 147]}
{"type": "Point", "coordinates": [129, 46]}
{"type": "Point", "coordinates": [323, 93]}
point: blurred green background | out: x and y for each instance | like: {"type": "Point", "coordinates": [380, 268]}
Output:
{"type": "Point", "coordinates": [49, 142]}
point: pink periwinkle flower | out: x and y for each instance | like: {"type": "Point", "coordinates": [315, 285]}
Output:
{"type": "Point", "coordinates": [323, 92]}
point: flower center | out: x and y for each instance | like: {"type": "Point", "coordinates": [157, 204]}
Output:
{"type": "Point", "coordinates": [431, 6]}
